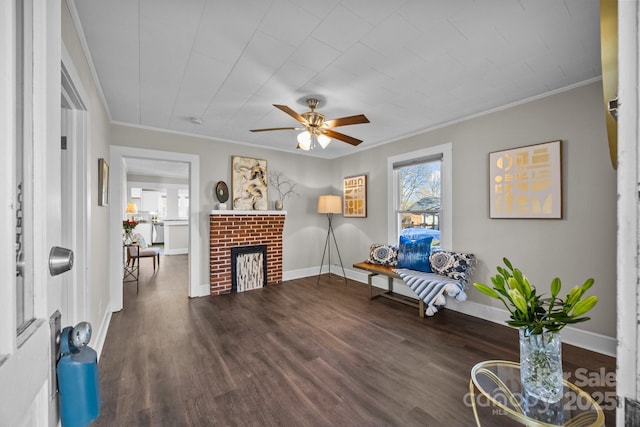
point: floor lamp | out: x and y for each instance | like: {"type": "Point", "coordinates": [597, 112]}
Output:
{"type": "Point", "coordinates": [330, 205]}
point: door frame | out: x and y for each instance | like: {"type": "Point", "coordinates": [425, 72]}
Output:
{"type": "Point", "coordinates": [117, 205]}
{"type": "Point", "coordinates": [77, 126]}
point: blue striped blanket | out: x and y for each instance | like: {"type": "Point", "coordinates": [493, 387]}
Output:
{"type": "Point", "coordinates": [430, 288]}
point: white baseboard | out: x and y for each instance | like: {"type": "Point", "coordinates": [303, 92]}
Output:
{"type": "Point", "coordinates": [300, 273]}
{"type": "Point", "coordinates": [577, 337]}
{"type": "Point", "coordinates": [176, 251]}
{"type": "Point", "coordinates": [573, 336]}
{"type": "Point", "coordinates": [101, 336]}
{"type": "Point", "coordinates": [202, 291]}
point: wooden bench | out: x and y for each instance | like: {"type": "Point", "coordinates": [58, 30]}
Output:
{"type": "Point", "coordinates": [383, 270]}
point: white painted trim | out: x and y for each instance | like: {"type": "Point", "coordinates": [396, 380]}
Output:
{"type": "Point", "coordinates": [236, 212]}
{"type": "Point", "coordinates": [628, 240]}
{"type": "Point", "coordinates": [573, 336]}
{"type": "Point", "coordinates": [176, 251]}
{"type": "Point", "coordinates": [579, 338]}
{"type": "Point", "coordinates": [300, 273]}
{"type": "Point", "coordinates": [79, 150]}
{"type": "Point", "coordinates": [204, 290]}
{"type": "Point", "coordinates": [116, 211]}
{"type": "Point", "coordinates": [8, 342]}
{"type": "Point", "coordinates": [101, 336]}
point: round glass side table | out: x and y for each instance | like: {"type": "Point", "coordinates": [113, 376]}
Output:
{"type": "Point", "coordinates": [501, 394]}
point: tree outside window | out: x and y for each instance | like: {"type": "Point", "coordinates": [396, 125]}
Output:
{"type": "Point", "coordinates": [420, 195]}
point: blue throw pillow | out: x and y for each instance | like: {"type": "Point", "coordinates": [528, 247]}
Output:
{"type": "Point", "coordinates": [414, 254]}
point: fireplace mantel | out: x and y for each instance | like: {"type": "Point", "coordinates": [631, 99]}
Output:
{"type": "Point", "coordinates": [232, 213]}
{"type": "Point", "coordinates": [229, 229]}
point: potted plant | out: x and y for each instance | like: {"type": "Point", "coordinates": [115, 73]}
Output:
{"type": "Point", "coordinates": [128, 225]}
{"type": "Point", "coordinates": [539, 321]}
{"type": "Point", "coordinates": [283, 186]}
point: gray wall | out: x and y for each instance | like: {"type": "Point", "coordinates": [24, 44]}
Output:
{"type": "Point", "coordinates": [579, 246]}
{"type": "Point", "coordinates": [304, 228]}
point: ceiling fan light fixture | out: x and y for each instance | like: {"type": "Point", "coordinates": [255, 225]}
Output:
{"type": "Point", "coordinates": [316, 129]}
{"type": "Point", "coordinates": [323, 140]}
{"type": "Point", "coordinates": [304, 140]}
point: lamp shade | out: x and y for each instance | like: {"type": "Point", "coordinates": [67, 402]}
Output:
{"type": "Point", "coordinates": [131, 208]}
{"type": "Point", "coordinates": [329, 204]}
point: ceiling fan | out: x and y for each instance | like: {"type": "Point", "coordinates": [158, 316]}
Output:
{"type": "Point", "coordinates": [317, 130]}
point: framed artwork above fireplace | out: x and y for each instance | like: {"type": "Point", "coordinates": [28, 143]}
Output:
{"type": "Point", "coordinates": [249, 183]}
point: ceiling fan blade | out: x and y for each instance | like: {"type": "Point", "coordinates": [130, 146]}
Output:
{"type": "Point", "coordinates": [264, 130]}
{"type": "Point", "coordinates": [290, 112]}
{"type": "Point", "coordinates": [342, 137]}
{"type": "Point", "coordinates": [344, 121]}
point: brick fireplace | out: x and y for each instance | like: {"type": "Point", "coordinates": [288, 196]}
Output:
{"type": "Point", "coordinates": [231, 229]}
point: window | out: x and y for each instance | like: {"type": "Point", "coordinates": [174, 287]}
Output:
{"type": "Point", "coordinates": [420, 194]}
{"type": "Point", "coordinates": [183, 203]}
{"type": "Point", "coordinates": [23, 177]}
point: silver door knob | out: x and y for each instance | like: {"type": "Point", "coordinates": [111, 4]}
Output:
{"type": "Point", "coordinates": [60, 260]}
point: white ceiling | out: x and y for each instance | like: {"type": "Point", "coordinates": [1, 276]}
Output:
{"type": "Point", "coordinates": [407, 65]}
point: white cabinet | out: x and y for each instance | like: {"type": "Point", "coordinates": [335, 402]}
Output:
{"type": "Point", "coordinates": [150, 201]}
{"type": "Point", "coordinates": [176, 237]}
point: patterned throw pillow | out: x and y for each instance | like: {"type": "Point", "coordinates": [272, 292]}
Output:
{"type": "Point", "coordinates": [414, 254]}
{"type": "Point", "coordinates": [456, 265]}
{"type": "Point", "coordinates": [383, 255]}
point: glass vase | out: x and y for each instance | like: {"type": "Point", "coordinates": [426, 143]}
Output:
{"type": "Point", "coordinates": [128, 237]}
{"type": "Point", "coordinates": [541, 365]}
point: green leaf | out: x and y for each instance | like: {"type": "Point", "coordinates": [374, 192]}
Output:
{"type": "Point", "coordinates": [577, 320]}
{"type": "Point", "coordinates": [486, 290]}
{"type": "Point", "coordinates": [507, 263]}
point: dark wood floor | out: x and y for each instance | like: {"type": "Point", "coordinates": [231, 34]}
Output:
{"type": "Point", "coordinates": [295, 354]}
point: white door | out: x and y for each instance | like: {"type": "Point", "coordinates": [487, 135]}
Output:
{"type": "Point", "coordinates": [30, 41]}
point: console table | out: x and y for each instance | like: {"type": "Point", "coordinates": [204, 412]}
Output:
{"type": "Point", "coordinates": [131, 273]}
{"type": "Point", "coordinates": [501, 395]}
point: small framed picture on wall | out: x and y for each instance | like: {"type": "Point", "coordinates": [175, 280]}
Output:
{"type": "Point", "coordinates": [355, 196]}
{"type": "Point", "coordinates": [103, 182]}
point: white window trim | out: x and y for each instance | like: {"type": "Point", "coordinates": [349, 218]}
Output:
{"type": "Point", "coordinates": [446, 176]}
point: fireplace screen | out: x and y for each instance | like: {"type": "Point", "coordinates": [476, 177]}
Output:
{"type": "Point", "coordinates": [248, 268]}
